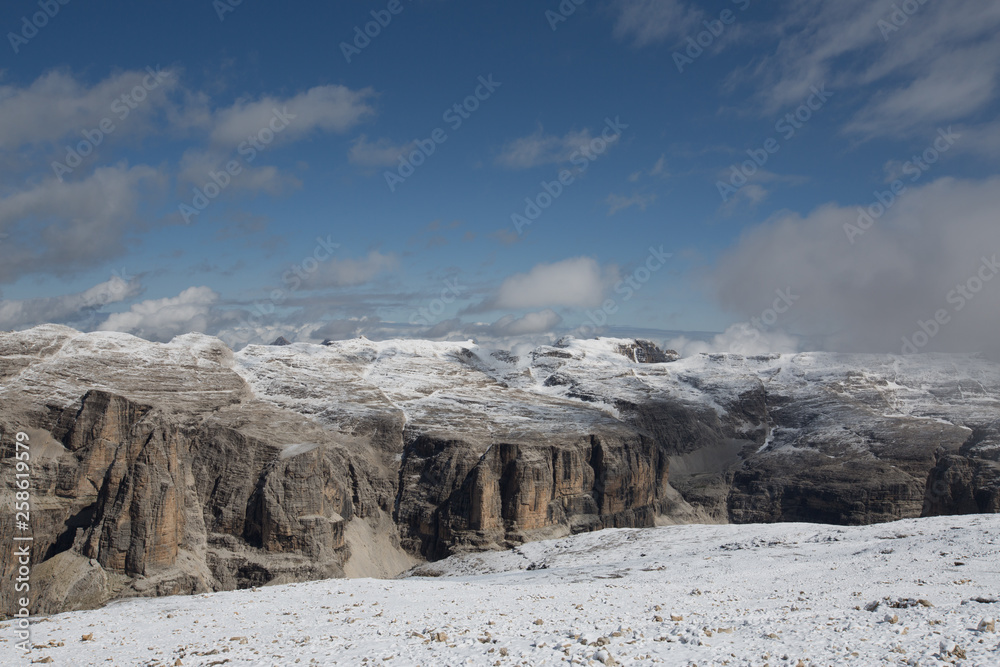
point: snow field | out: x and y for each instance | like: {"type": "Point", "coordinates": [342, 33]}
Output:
{"type": "Point", "coordinates": [781, 594]}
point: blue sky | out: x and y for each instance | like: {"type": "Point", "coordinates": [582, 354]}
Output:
{"type": "Point", "coordinates": [107, 244]}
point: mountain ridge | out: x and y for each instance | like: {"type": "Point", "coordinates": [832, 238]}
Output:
{"type": "Point", "coordinates": [184, 467]}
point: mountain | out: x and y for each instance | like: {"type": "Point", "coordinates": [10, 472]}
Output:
{"type": "Point", "coordinates": [185, 467]}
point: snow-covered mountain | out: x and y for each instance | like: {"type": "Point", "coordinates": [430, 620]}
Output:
{"type": "Point", "coordinates": [185, 467]}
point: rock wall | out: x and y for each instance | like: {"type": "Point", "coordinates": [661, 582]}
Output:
{"type": "Point", "coordinates": [516, 492]}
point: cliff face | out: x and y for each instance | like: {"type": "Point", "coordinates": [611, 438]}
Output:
{"type": "Point", "coordinates": [150, 506]}
{"type": "Point", "coordinates": [514, 492]}
{"type": "Point", "coordinates": [181, 468]}
{"type": "Point", "coordinates": [966, 481]}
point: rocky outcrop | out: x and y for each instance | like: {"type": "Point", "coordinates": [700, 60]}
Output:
{"type": "Point", "coordinates": [516, 492]}
{"type": "Point", "coordinates": [966, 481]}
{"type": "Point", "coordinates": [646, 352]}
{"type": "Point", "coordinates": [180, 468]}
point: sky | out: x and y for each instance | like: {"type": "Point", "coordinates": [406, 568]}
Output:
{"type": "Point", "coordinates": [718, 176]}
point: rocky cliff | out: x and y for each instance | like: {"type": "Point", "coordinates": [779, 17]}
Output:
{"type": "Point", "coordinates": [183, 467]}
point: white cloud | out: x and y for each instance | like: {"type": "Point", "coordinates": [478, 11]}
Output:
{"type": "Point", "coordinates": [531, 323]}
{"type": "Point", "coordinates": [539, 149]}
{"type": "Point", "coordinates": [940, 66]}
{"type": "Point", "coordinates": [741, 338]}
{"type": "Point", "coordinates": [868, 295]}
{"type": "Point", "coordinates": [351, 327]}
{"type": "Point", "coordinates": [57, 106]}
{"type": "Point", "coordinates": [983, 139]}
{"type": "Point", "coordinates": [952, 87]}
{"type": "Point", "coordinates": [380, 153]}
{"type": "Point", "coordinates": [162, 319]}
{"type": "Point", "coordinates": [348, 272]}
{"type": "Point", "coordinates": [749, 195]}
{"type": "Point", "coordinates": [660, 168]}
{"type": "Point", "coordinates": [196, 166]}
{"type": "Point", "coordinates": [649, 21]}
{"type": "Point", "coordinates": [65, 226]}
{"type": "Point", "coordinates": [330, 108]}
{"type": "Point", "coordinates": [67, 308]}
{"type": "Point", "coordinates": [620, 202]}
{"type": "Point", "coordinates": [575, 282]}
{"type": "Point", "coordinates": [325, 108]}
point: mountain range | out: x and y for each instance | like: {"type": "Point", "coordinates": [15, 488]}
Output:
{"type": "Point", "coordinates": [186, 467]}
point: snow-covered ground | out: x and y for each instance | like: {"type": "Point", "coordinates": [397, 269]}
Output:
{"type": "Point", "coordinates": [782, 594]}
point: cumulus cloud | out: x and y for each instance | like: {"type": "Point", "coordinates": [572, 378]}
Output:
{"type": "Point", "coordinates": [58, 106]}
{"type": "Point", "coordinates": [742, 338]}
{"type": "Point", "coordinates": [647, 22]}
{"type": "Point", "coordinates": [61, 227]}
{"type": "Point", "coordinates": [575, 282]}
{"type": "Point", "coordinates": [912, 263]}
{"type": "Point", "coordinates": [539, 149]}
{"type": "Point", "coordinates": [323, 108]}
{"type": "Point", "coordinates": [162, 319]}
{"type": "Point", "coordinates": [330, 108]}
{"type": "Point", "coordinates": [69, 308]}
{"type": "Point", "coordinates": [348, 272]}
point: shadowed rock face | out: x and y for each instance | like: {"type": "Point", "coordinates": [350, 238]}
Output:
{"type": "Point", "coordinates": [966, 482]}
{"type": "Point", "coordinates": [180, 468]}
{"type": "Point", "coordinates": [516, 492]}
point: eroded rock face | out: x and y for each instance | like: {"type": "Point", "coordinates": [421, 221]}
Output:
{"type": "Point", "coordinates": [964, 483]}
{"type": "Point", "coordinates": [516, 492]}
{"type": "Point", "coordinates": [178, 468]}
